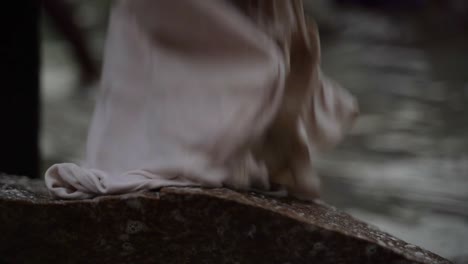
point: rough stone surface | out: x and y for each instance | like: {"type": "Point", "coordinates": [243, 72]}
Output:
{"type": "Point", "coordinates": [187, 225]}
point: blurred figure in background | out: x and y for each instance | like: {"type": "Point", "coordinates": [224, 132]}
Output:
{"type": "Point", "coordinates": [61, 14]}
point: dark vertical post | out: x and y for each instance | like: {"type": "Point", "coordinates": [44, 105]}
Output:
{"type": "Point", "coordinates": [19, 87]}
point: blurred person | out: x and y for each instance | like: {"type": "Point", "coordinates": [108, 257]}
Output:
{"type": "Point", "coordinates": [60, 13]}
{"type": "Point", "coordinates": [212, 94]}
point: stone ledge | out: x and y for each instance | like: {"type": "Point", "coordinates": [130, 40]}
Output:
{"type": "Point", "coordinates": [187, 225]}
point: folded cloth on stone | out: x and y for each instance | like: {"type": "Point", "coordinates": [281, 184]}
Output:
{"type": "Point", "coordinates": [213, 93]}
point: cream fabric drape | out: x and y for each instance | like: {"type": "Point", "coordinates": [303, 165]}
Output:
{"type": "Point", "coordinates": [207, 93]}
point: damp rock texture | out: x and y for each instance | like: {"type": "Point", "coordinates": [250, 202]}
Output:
{"type": "Point", "coordinates": [187, 225]}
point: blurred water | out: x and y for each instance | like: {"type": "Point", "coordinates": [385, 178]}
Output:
{"type": "Point", "coordinates": [404, 166]}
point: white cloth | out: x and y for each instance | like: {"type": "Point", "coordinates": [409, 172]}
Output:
{"type": "Point", "coordinates": [190, 89]}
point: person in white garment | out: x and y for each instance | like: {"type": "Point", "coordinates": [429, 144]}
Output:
{"type": "Point", "coordinates": [213, 93]}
